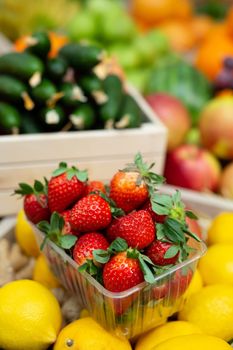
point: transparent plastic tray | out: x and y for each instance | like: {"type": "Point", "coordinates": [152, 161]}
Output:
{"type": "Point", "coordinates": [131, 312]}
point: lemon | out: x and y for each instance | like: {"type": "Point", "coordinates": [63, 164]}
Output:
{"type": "Point", "coordinates": [221, 229]}
{"type": "Point", "coordinates": [162, 333]}
{"type": "Point", "coordinates": [195, 285]}
{"type": "Point", "coordinates": [211, 309]}
{"type": "Point", "coordinates": [30, 316]}
{"type": "Point", "coordinates": [43, 274]}
{"type": "Point", "coordinates": [25, 236]}
{"type": "Point", "coordinates": [87, 334]}
{"type": "Point", "coordinates": [194, 342]}
{"type": "Point", "coordinates": [216, 266]}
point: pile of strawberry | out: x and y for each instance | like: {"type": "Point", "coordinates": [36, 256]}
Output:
{"type": "Point", "coordinates": [123, 233]}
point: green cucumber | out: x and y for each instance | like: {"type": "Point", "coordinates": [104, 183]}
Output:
{"type": "Point", "coordinates": [112, 86]}
{"type": "Point", "coordinates": [21, 65]}
{"type": "Point", "coordinates": [90, 83]}
{"type": "Point", "coordinates": [56, 68]}
{"type": "Point", "coordinates": [11, 89]}
{"type": "Point", "coordinates": [82, 55]}
{"type": "Point", "coordinates": [43, 92]}
{"type": "Point", "coordinates": [130, 115]}
{"type": "Point", "coordinates": [30, 125]}
{"type": "Point", "coordinates": [52, 119]}
{"type": "Point", "coordinates": [73, 94]}
{"type": "Point", "coordinates": [10, 119]}
{"type": "Point", "coordinates": [39, 44]}
{"type": "Point", "coordinates": [83, 117]}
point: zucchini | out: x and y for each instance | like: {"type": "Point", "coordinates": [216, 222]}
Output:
{"type": "Point", "coordinates": [11, 89]}
{"type": "Point", "coordinates": [82, 56]}
{"type": "Point", "coordinates": [39, 44]}
{"type": "Point", "coordinates": [29, 125]}
{"type": "Point", "coordinates": [130, 115]}
{"type": "Point", "coordinates": [21, 65]}
{"type": "Point", "coordinates": [83, 117]}
{"type": "Point", "coordinates": [56, 68]}
{"type": "Point", "coordinates": [73, 94]}
{"type": "Point", "coordinates": [43, 92]}
{"type": "Point", "coordinates": [10, 119]}
{"type": "Point", "coordinates": [112, 86]}
{"type": "Point", "coordinates": [52, 119]}
{"type": "Point", "coordinates": [93, 87]}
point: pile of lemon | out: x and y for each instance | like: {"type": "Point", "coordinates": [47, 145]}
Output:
{"type": "Point", "coordinates": [30, 316]}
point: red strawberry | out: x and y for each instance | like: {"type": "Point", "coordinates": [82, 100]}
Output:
{"type": "Point", "coordinates": [95, 186]}
{"type": "Point", "coordinates": [155, 217]}
{"type": "Point", "coordinates": [128, 190]}
{"type": "Point", "coordinates": [91, 213]}
{"type": "Point", "coordinates": [156, 252]}
{"type": "Point", "coordinates": [180, 281]}
{"type": "Point", "coordinates": [85, 245]}
{"type": "Point", "coordinates": [65, 187]}
{"type": "Point", "coordinates": [35, 201]}
{"type": "Point", "coordinates": [67, 229]}
{"type": "Point", "coordinates": [121, 273]}
{"type": "Point", "coordinates": [136, 228]}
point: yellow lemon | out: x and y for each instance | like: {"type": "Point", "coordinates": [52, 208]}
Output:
{"type": "Point", "coordinates": [25, 235]}
{"type": "Point", "coordinates": [195, 285]}
{"type": "Point", "coordinates": [211, 309]}
{"type": "Point", "coordinates": [221, 229]}
{"type": "Point", "coordinates": [216, 266]}
{"type": "Point", "coordinates": [162, 333]}
{"type": "Point", "coordinates": [30, 316]}
{"type": "Point", "coordinates": [87, 334]}
{"type": "Point", "coordinates": [43, 274]}
{"type": "Point", "coordinates": [194, 342]}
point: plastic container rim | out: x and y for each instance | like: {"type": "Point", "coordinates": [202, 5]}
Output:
{"type": "Point", "coordinates": [117, 295]}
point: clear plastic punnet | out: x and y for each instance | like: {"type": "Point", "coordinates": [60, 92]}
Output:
{"type": "Point", "coordinates": [134, 311]}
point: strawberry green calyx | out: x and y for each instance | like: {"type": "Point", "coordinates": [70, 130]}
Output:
{"type": "Point", "coordinates": [115, 211]}
{"type": "Point", "coordinates": [37, 189]}
{"type": "Point", "coordinates": [81, 175]}
{"type": "Point", "coordinates": [102, 256]}
{"type": "Point", "coordinates": [53, 231]}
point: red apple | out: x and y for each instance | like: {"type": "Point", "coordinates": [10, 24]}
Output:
{"type": "Point", "coordinates": [192, 167]}
{"type": "Point", "coordinates": [173, 114]}
{"type": "Point", "coordinates": [226, 181]}
{"type": "Point", "coordinates": [216, 126]}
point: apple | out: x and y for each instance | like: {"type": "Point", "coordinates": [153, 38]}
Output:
{"type": "Point", "coordinates": [173, 114]}
{"type": "Point", "coordinates": [216, 126]}
{"type": "Point", "coordinates": [192, 167]}
{"type": "Point", "coordinates": [226, 181]}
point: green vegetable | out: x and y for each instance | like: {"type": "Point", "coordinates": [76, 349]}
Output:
{"type": "Point", "coordinates": [43, 92]}
{"type": "Point", "coordinates": [112, 87]}
{"type": "Point", "coordinates": [39, 44]}
{"type": "Point", "coordinates": [83, 117]}
{"type": "Point", "coordinates": [56, 68]}
{"type": "Point", "coordinates": [10, 119]}
{"type": "Point", "coordinates": [21, 65]}
{"type": "Point", "coordinates": [182, 80]}
{"type": "Point", "coordinates": [11, 89]}
{"type": "Point", "coordinates": [30, 125]}
{"type": "Point", "coordinates": [52, 119]}
{"type": "Point", "coordinates": [130, 115]}
{"type": "Point", "coordinates": [82, 56]}
{"type": "Point", "coordinates": [73, 94]}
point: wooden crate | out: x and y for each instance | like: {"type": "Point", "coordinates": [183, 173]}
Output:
{"type": "Point", "coordinates": [24, 158]}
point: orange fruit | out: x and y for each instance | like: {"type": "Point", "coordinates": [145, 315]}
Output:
{"type": "Point", "coordinates": [212, 52]}
{"type": "Point", "coordinates": [152, 11]}
{"type": "Point", "coordinates": [179, 34]}
{"type": "Point", "coordinates": [201, 26]}
{"type": "Point", "coordinates": [229, 21]}
{"type": "Point", "coordinates": [182, 9]}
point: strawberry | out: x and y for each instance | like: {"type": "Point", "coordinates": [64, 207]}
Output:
{"type": "Point", "coordinates": [83, 249]}
{"type": "Point", "coordinates": [121, 273]}
{"type": "Point", "coordinates": [35, 201]}
{"type": "Point", "coordinates": [95, 186]}
{"type": "Point", "coordinates": [155, 217]}
{"type": "Point", "coordinates": [65, 187]}
{"type": "Point", "coordinates": [137, 228]}
{"type": "Point", "coordinates": [180, 281]}
{"type": "Point", "coordinates": [67, 229]}
{"type": "Point", "coordinates": [157, 253]}
{"type": "Point", "coordinates": [91, 213]}
{"type": "Point", "coordinates": [129, 188]}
